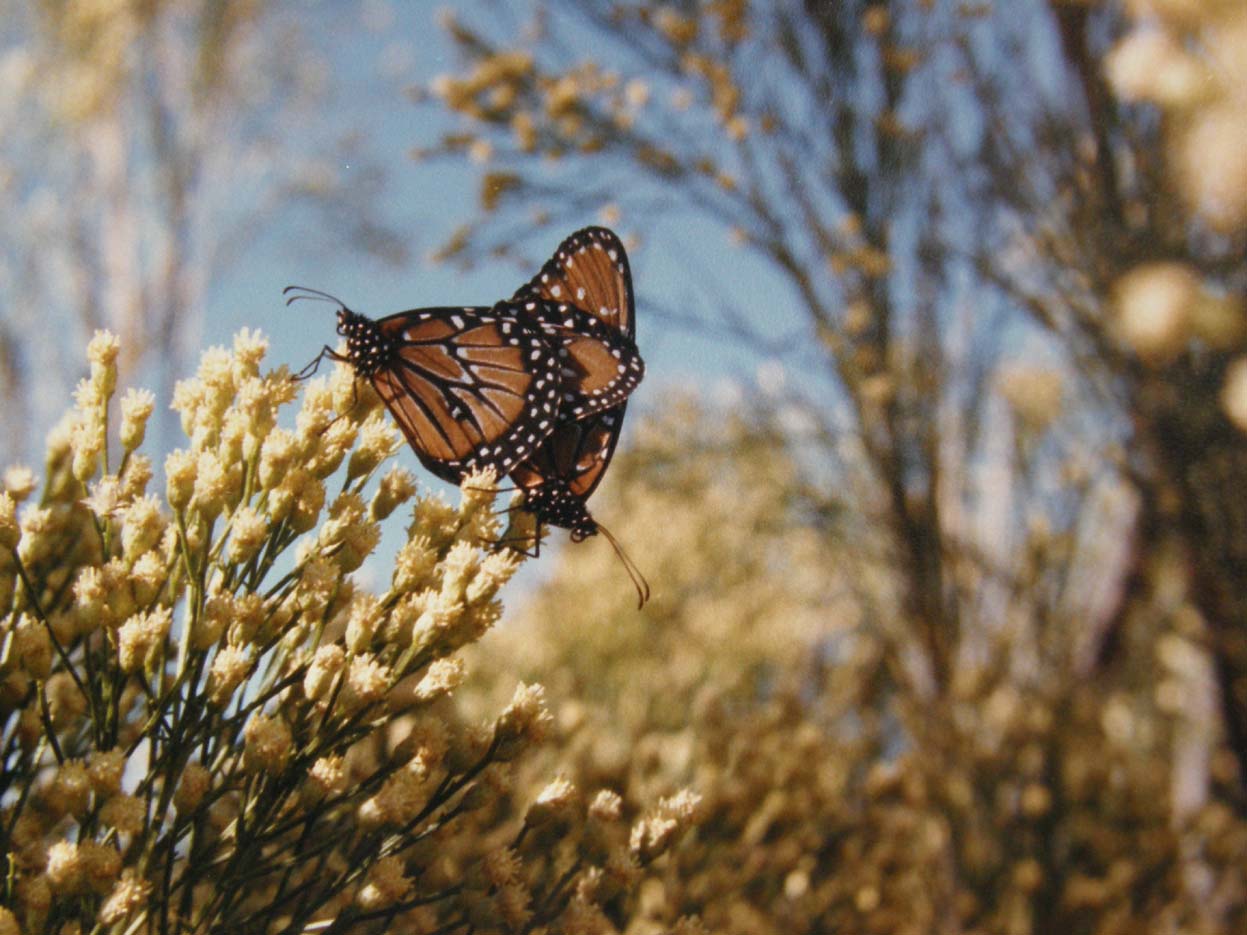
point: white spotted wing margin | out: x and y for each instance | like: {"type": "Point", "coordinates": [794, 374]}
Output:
{"type": "Point", "coordinates": [590, 271]}
{"type": "Point", "coordinates": [471, 388]}
{"type": "Point", "coordinates": [599, 367]}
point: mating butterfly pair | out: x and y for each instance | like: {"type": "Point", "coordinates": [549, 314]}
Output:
{"type": "Point", "coordinates": [534, 387]}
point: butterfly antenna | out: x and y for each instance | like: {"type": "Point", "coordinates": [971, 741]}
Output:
{"type": "Point", "coordinates": [312, 295]}
{"type": "Point", "coordinates": [638, 579]}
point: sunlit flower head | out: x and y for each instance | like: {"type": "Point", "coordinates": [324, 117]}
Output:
{"type": "Point", "coordinates": [127, 897]}
{"type": "Point", "coordinates": [266, 743]}
{"type": "Point", "coordinates": [525, 720]}
{"type": "Point", "coordinates": [229, 667]}
{"type": "Point", "coordinates": [136, 409]}
{"type": "Point", "coordinates": [248, 532]}
{"type": "Point", "coordinates": [387, 884]}
{"type": "Point", "coordinates": [398, 485]}
{"type": "Point", "coordinates": [20, 482]}
{"type": "Point", "coordinates": [1154, 305]}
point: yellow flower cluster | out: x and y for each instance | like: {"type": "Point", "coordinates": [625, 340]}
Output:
{"type": "Point", "coordinates": [211, 723]}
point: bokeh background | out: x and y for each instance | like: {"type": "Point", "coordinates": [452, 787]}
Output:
{"type": "Point", "coordinates": [938, 470]}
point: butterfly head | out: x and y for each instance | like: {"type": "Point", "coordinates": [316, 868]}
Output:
{"type": "Point", "coordinates": [367, 348]}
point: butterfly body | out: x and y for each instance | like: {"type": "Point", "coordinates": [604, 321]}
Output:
{"type": "Point", "coordinates": [554, 503]}
{"type": "Point", "coordinates": [589, 273]}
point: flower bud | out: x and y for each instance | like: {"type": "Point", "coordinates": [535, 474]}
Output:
{"type": "Point", "coordinates": [64, 869]}
{"type": "Point", "coordinates": [327, 663]}
{"type": "Point", "coordinates": [212, 485]}
{"type": "Point", "coordinates": [397, 487]}
{"type": "Point", "coordinates": [102, 353]}
{"type": "Point", "coordinates": [377, 441]}
{"type": "Point", "coordinates": [33, 647]}
{"type": "Point", "coordinates": [125, 813]}
{"type": "Point", "coordinates": [20, 482]}
{"type": "Point", "coordinates": [195, 782]}
{"type": "Point", "coordinates": [231, 665]}
{"type": "Point", "coordinates": [387, 884]}
{"type": "Point", "coordinates": [266, 743]}
{"type": "Point", "coordinates": [104, 769]}
{"type": "Point", "coordinates": [127, 898]}
{"type": "Point", "coordinates": [136, 409]}
{"type": "Point", "coordinates": [180, 469]}
{"type": "Point", "coordinates": [142, 528]}
{"type": "Point", "coordinates": [9, 530]}
{"type": "Point", "coordinates": [556, 803]}
{"type": "Point", "coordinates": [248, 532]}
{"type": "Point", "coordinates": [87, 443]}
{"type": "Point", "coordinates": [525, 720]}
{"type": "Point", "coordinates": [70, 790]}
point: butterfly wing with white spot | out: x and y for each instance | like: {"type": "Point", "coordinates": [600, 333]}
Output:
{"type": "Point", "coordinates": [589, 270]}
{"type": "Point", "coordinates": [471, 388]}
{"type": "Point", "coordinates": [600, 367]}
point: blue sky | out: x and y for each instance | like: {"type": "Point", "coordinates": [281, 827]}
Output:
{"type": "Point", "coordinates": [428, 201]}
{"type": "Point", "coordinates": [368, 56]}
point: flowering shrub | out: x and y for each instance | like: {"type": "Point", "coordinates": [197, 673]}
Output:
{"type": "Point", "coordinates": [209, 725]}
{"type": "Point", "coordinates": [838, 792]}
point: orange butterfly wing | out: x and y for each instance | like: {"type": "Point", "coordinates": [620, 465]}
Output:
{"type": "Point", "coordinates": [470, 388]}
{"type": "Point", "coordinates": [589, 271]}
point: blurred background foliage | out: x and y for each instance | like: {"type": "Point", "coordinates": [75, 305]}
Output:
{"type": "Point", "coordinates": [145, 147]}
{"type": "Point", "coordinates": [950, 613]}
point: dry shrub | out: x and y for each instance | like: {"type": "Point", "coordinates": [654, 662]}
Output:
{"type": "Point", "coordinates": [839, 793]}
{"type": "Point", "coordinates": [209, 723]}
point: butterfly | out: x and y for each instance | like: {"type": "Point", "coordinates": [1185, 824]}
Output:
{"type": "Point", "coordinates": [535, 386]}
{"type": "Point", "coordinates": [474, 388]}
{"type": "Point", "coordinates": [471, 388]}
{"type": "Point", "coordinates": [590, 272]}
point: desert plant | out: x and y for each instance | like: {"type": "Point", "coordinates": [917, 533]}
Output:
{"type": "Point", "coordinates": [209, 725]}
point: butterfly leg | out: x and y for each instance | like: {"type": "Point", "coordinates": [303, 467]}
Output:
{"type": "Point", "coordinates": [312, 367]}
{"type": "Point", "coordinates": [513, 543]}
{"type": "Point", "coordinates": [349, 409]}
{"type": "Point", "coordinates": [510, 542]}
